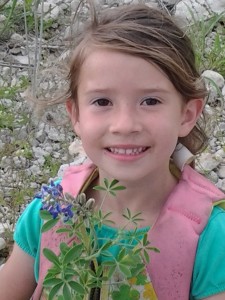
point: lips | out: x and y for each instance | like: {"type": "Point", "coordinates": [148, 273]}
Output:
{"type": "Point", "coordinates": [127, 151]}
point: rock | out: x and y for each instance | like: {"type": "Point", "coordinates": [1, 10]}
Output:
{"type": "Point", "coordinates": [50, 9]}
{"type": "Point", "coordinates": [2, 18]}
{"type": "Point", "coordinates": [39, 152]}
{"type": "Point", "coordinates": [215, 77]}
{"type": "Point", "coordinates": [213, 176]}
{"type": "Point", "coordinates": [223, 92]}
{"type": "Point", "coordinates": [16, 39]}
{"type": "Point", "coordinates": [55, 135]}
{"type": "Point", "coordinates": [221, 171]}
{"type": "Point", "coordinates": [190, 10]}
{"type": "Point", "coordinates": [214, 83]}
{"type": "Point", "coordinates": [24, 60]}
{"type": "Point", "coordinates": [207, 162]}
{"type": "Point", "coordinates": [2, 243]}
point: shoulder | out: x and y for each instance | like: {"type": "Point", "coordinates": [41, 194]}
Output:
{"type": "Point", "coordinates": [27, 231]}
{"type": "Point", "coordinates": [216, 223]}
{"type": "Point", "coordinates": [213, 236]}
{"type": "Point", "coordinates": [208, 273]}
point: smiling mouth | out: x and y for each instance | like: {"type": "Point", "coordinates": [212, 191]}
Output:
{"type": "Point", "coordinates": [127, 151]}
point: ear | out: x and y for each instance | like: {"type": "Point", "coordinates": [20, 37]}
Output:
{"type": "Point", "coordinates": [73, 114]}
{"type": "Point", "coordinates": [191, 112]}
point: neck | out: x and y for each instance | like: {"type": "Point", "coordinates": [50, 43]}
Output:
{"type": "Point", "coordinates": [146, 196]}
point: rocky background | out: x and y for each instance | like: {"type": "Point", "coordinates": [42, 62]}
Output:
{"type": "Point", "coordinates": [32, 149]}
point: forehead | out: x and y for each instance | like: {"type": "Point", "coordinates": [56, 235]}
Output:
{"type": "Point", "coordinates": [108, 68]}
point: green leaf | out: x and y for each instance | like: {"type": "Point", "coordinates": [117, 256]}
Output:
{"type": "Point", "coordinates": [146, 255]}
{"type": "Point", "coordinates": [154, 249]}
{"type": "Point", "coordinates": [99, 188]}
{"type": "Point", "coordinates": [51, 256]}
{"type": "Point", "coordinates": [49, 224]}
{"type": "Point", "coordinates": [113, 182]}
{"type": "Point", "coordinates": [64, 248]}
{"type": "Point", "coordinates": [106, 246]}
{"type": "Point", "coordinates": [54, 291]}
{"type": "Point", "coordinates": [109, 263]}
{"type": "Point", "coordinates": [125, 270]}
{"type": "Point", "coordinates": [66, 292]}
{"type": "Point", "coordinates": [45, 215]}
{"type": "Point", "coordinates": [119, 188]}
{"type": "Point", "coordinates": [112, 193]}
{"type": "Point", "coordinates": [106, 182]}
{"type": "Point", "coordinates": [77, 287]}
{"type": "Point", "coordinates": [52, 281]}
{"type": "Point", "coordinates": [73, 254]}
{"type": "Point", "coordinates": [121, 254]}
{"type": "Point", "coordinates": [111, 271]}
{"type": "Point", "coordinates": [62, 230]}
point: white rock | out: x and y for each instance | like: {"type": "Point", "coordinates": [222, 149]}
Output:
{"type": "Point", "coordinates": [2, 18]}
{"type": "Point", "coordinates": [221, 171]}
{"type": "Point", "coordinates": [16, 38]}
{"type": "Point", "coordinates": [39, 152]}
{"type": "Point", "coordinates": [2, 243]}
{"type": "Point", "coordinates": [221, 184]}
{"type": "Point", "coordinates": [24, 60]}
{"type": "Point", "coordinates": [207, 162]}
{"type": "Point", "coordinates": [215, 77]}
{"type": "Point", "coordinates": [50, 9]}
{"type": "Point", "coordinates": [212, 176]}
{"type": "Point", "coordinates": [223, 92]}
{"type": "Point", "coordinates": [76, 148]}
{"type": "Point", "coordinates": [6, 71]}
{"type": "Point", "coordinates": [214, 83]}
{"type": "Point", "coordinates": [201, 9]}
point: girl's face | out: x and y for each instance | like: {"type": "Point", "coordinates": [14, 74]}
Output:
{"type": "Point", "coordinates": [130, 115]}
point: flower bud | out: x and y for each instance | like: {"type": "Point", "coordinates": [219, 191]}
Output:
{"type": "Point", "coordinates": [90, 203]}
{"type": "Point", "coordinates": [81, 199]}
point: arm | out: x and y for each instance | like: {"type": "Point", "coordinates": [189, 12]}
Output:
{"type": "Point", "coordinates": [17, 280]}
{"type": "Point", "coordinates": [220, 296]}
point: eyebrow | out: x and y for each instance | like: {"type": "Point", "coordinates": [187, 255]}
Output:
{"type": "Point", "coordinates": [142, 90]}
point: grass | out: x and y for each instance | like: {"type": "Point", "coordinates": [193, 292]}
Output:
{"type": "Point", "coordinates": [208, 38]}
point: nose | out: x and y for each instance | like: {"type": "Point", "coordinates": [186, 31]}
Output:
{"type": "Point", "coordinates": [125, 121]}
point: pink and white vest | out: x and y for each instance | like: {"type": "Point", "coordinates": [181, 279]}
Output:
{"type": "Point", "coordinates": [175, 233]}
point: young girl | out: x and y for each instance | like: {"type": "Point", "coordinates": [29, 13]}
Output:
{"type": "Point", "coordinates": [134, 95]}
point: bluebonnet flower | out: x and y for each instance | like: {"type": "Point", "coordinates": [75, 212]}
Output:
{"type": "Point", "coordinates": [55, 210]}
{"type": "Point", "coordinates": [67, 213]}
{"type": "Point", "coordinates": [53, 201]}
{"type": "Point", "coordinates": [64, 206]}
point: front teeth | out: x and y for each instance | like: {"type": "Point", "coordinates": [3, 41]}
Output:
{"type": "Point", "coordinates": [127, 151]}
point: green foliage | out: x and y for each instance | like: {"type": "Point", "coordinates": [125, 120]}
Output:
{"type": "Point", "coordinates": [208, 37]}
{"type": "Point", "coordinates": [76, 271]}
{"type": "Point", "coordinates": [51, 165]}
{"type": "Point", "coordinates": [10, 92]}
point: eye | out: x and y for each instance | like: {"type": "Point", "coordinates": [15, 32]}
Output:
{"type": "Point", "coordinates": [102, 102]}
{"type": "Point", "coordinates": [150, 101]}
